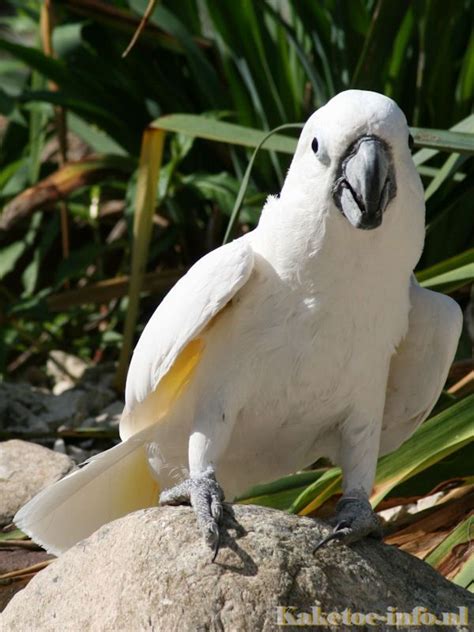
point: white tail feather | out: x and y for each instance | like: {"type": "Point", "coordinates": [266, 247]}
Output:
{"type": "Point", "coordinates": [111, 485]}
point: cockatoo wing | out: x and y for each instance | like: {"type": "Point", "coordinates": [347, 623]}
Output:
{"type": "Point", "coordinates": [170, 345]}
{"type": "Point", "coordinates": [420, 366]}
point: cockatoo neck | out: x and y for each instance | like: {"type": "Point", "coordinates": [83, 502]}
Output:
{"type": "Point", "coordinates": [321, 249]}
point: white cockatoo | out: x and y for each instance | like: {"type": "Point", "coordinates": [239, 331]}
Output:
{"type": "Point", "coordinates": [307, 337]}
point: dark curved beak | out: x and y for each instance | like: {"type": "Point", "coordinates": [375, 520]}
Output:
{"type": "Point", "coordinates": [365, 183]}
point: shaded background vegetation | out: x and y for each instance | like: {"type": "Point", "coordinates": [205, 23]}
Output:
{"type": "Point", "coordinates": [73, 112]}
{"type": "Point", "coordinates": [255, 63]}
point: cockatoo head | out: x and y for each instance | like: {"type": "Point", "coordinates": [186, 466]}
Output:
{"type": "Point", "coordinates": [353, 160]}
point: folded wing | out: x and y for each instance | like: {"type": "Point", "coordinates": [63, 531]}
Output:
{"type": "Point", "coordinates": [420, 366]}
{"type": "Point", "coordinates": [170, 345]}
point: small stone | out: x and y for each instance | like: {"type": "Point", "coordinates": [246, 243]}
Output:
{"type": "Point", "coordinates": [25, 469]}
{"type": "Point", "coordinates": [109, 417]}
{"type": "Point", "coordinates": [65, 370]}
{"type": "Point", "coordinates": [60, 446]}
{"type": "Point", "coordinates": [78, 455]}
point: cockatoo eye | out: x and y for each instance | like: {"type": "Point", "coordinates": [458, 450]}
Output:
{"type": "Point", "coordinates": [315, 145]}
{"type": "Point", "coordinates": [411, 142]}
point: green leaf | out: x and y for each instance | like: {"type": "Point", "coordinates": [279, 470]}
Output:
{"type": "Point", "coordinates": [37, 129]}
{"type": "Point", "coordinates": [67, 38]}
{"type": "Point", "coordinates": [457, 465]}
{"type": "Point", "coordinates": [94, 136]}
{"type": "Point", "coordinates": [450, 281]}
{"type": "Point", "coordinates": [443, 140]}
{"type": "Point", "coordinates": [7, 104]}
{"type": "Point", "coordinates": [441, 435]}
{"type": "Point", "coordinates": [450, 167]}
{"type": "Point", "coordinates": [449, 274]}
{"type": "Point", "coordinates": [203, 127]}
{"type": "Point", "coordinates": [53, 69]}
{"type": "Point", "coordinates": [445, 266]}
{"type": "Point", "coordinates": [9, 255]}
{"type": "Point", "coordinates": [385, 23]}
{"type": "Point", "coordinates": [466, 125]}
{"type": "Point", "coordinates": [459, 538]}
{"type": "Point", "coordinates": [317, 493]}
{"type": "Point", "coordinates": [31, 272]}
{"type": "Point", "coordinates": [81, 106]}
{"type": "Point", "coordinates": [210, 129]}
{"type": "Point", "coordinates": [220, 188]}
{"type": "Point", "coordinates": [202, 72]}
{"type": "Point", "coordinates": [16, 534]}
{"type": "Point", "coordinates": [304, 59]}
{"type": "Point", "coordinates": [282, 493]}
{"type": "Point", "coordinates": [151, 158]}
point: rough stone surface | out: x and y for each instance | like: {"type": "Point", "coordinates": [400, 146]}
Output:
{"type": "Point", "coordinates": [152, 571]}
{"type": "Point", "coordinates": [25, 469]}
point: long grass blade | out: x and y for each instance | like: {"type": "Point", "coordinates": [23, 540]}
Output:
{"type": "Point", "coordinates": [220, 131]}
{"type": "Point", "coordinates": [446, 266]}
{"type": "Point", "coordinates": [145, 201]}
{"type": "Point", "coordinates": [443, 140]}
{"type": "Point", "coordinates": [465, 126]}
{"type": "Point", "coordinates": [245, 180]}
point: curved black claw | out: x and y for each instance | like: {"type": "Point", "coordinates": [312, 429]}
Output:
{"type": "Point", "coordinates": [355, 519]}
{"type": "Point", "coordinates": [216, 547]}
{"type": "Point", "coordinates": [338, 533]}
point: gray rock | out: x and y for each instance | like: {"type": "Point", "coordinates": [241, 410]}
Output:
{"type": "Point", "coordinates": [27, 409]}
{"type": "Point", "coordinates": [67, 409]}
{"type": "Point", "coordinates": [22, 406]}
{"type": "Point", "coordinates": [152, 571]}
{"type": "Point", "coordinates": [25, 469]}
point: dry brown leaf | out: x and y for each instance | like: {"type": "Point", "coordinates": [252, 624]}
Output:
{"type": "Point", "coordinates": [422, 535]}
{"type": "Point", "coordinates": [58, 186]}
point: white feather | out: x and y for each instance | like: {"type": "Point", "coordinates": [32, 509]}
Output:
{"type": "Point", "coordinates": [420, 366]}
{"type": "Point", "coordinates": [109, 485]}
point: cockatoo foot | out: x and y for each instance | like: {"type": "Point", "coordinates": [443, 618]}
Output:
{"type": "Point", "coordinates": [206, 497]}
{"type": "Point", "coordinates": [354, 519]}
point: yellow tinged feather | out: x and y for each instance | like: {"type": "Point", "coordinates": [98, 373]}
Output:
{"type": "Point", "coordinates": [158, 403]}
{"type": "Point", "coordinates": [112, 485]}
{"type": "Point", "coordinates": [172, 384]}
{"type": "Point", "coordinates": [136, 488]}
